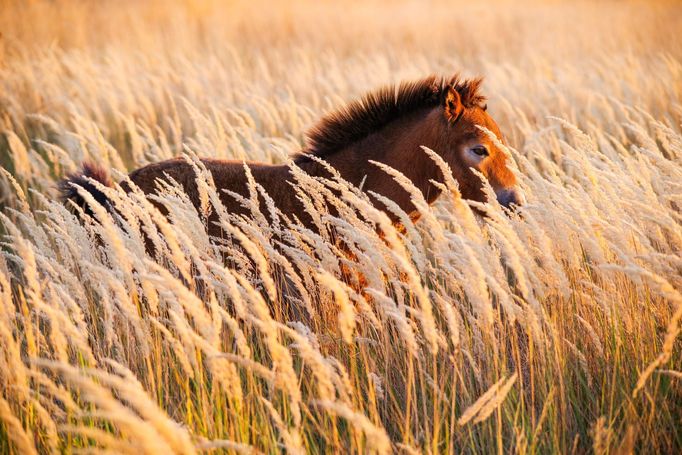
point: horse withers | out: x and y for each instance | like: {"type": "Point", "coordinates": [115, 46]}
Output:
{"type": "Point", "coordinates": [388, 126]}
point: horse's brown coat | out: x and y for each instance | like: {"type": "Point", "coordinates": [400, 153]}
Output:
{"type": "Point", "coordinates": [388, 126]}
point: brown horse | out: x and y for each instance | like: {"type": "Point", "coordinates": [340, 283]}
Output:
{"type": "Point", "coordinates": [388, 126]}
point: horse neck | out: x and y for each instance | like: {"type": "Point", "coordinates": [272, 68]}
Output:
{"type": "Point", "coordinates": [397, 145]}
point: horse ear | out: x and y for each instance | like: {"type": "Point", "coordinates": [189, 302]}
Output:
{"type": "Point", "coordinates": [452, 104]}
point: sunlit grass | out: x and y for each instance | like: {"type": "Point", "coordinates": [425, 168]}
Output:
{"type": "Point", "coordinates": [552, 330]}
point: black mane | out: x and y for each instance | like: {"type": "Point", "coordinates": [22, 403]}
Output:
{"type": "Point", "coordinates": [360, 118]}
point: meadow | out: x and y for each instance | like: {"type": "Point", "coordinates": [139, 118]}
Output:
{"type": "Point", "coordinates": [552, 330]}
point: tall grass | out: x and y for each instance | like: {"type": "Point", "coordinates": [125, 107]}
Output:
{"type": "Point", "coordinates": [553, 330]}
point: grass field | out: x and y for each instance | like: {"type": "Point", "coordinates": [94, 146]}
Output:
{"type": "Point", "coordinates": [556, 330]}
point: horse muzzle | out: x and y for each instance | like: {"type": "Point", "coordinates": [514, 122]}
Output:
{"type": "Point", "coordinates": [510, 198]}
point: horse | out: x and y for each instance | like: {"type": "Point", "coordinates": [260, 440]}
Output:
{"type": "Point", "coordinates": [388, 125]}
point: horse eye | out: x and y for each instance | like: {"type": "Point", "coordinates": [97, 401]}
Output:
{"type": "Point", "coordinates": [480, 150]}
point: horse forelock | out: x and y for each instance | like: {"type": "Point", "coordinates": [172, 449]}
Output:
{"type": "Point", "coordinates": [362, 117]}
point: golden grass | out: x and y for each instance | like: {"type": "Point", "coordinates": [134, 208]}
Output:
{"type": "Point", "coordinates": [554, 331]}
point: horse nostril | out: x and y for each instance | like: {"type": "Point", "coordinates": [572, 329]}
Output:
{"type": "Point", "coordinates": [510, 197]}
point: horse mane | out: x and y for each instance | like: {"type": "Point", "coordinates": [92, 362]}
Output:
{"type": "Point", "coordinates": [360, 118]}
